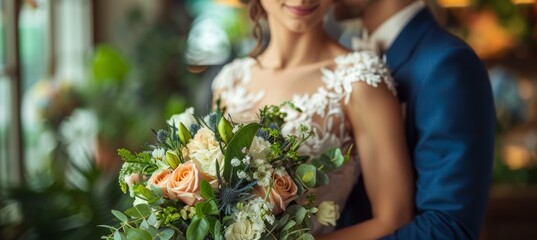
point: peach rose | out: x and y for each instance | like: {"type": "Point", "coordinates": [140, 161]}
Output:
{"type": "Point", "coordinates": [160, 180]}
{"type": "Point", "coordinates": [283, 192]}
{"type": "Point", "coordinates": [184, 183]}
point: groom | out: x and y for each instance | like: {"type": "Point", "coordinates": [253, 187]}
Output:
{"type": "Point", "coordinates": [450, 119]}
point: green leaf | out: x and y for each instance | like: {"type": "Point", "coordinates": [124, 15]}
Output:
{"type": "Point", "coordinates": [198, 229]}
{"type": "Point", "coordinates": [283, 220]}
{"type": "Point", "coordinates": [228, 220]}
{"type": "Point", "coordinates": [166, 234]}
{"type": "Point", "coordinates": [138, 234]}
{"type": "Point", "coordinates": [152, 220]}
{"type": "Point", "coordinates": [322, 179]}
{"type": "Point", "coordinates": [307, 174]}
{"type": "Point", "coordinates": [144, 192]}
{"type": "Point", "coordinates": [300, 215]}
{"type": "Point", "coordinates": [306, 236]}
{"type": "Point", "coordinates": [206, 208]}
{"type": "Point", "coordinates": [218, 231]}
{"type": "Point", "coordinates": [139, 211]}
{"type": "Point", "coordinates": [289, 225]}
{"type": "Point", "coordinates": [207, 191]}
{"type": "Point", "coordinates": [144, 225]}
{"type": "Point", "coordinates": [122, 217]}
{"type": "Point", "coordinates": [242, 139]}
{"type": "Point", "coordinates": [336, 157]}
{"type": "Point", "coordinates": [118, 235]}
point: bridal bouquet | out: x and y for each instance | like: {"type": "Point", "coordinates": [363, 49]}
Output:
{"type": "Point", "coordinates": [211, 178]}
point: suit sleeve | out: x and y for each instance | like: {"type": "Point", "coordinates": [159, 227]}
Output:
{"type": "Point", "coordinates": [454, 122]}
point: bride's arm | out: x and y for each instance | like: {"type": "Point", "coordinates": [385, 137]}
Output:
{"type": "Point", "coordinates": [377, 123]}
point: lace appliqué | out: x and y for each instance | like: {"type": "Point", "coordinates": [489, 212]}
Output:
{"type": "Point", "coordinates": [363, 66]}
{"type": "Point", "coordinates": [232, 81]}
{"type": "Point", "coordinates": [322, 110]}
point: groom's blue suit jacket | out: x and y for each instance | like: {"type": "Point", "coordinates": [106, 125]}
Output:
{"type": "Point", "coordinates": [450, 127]}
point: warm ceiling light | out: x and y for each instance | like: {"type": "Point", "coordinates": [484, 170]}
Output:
{"type": "Point", "coordinates": [233, 3]}
{"type": "Point", "coordinates": [454, 3]}
{"type": "Point", "coordinates": [523, 1]}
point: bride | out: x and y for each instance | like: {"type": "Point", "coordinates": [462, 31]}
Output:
{"type": "Point", "coordinates": [348, 97]}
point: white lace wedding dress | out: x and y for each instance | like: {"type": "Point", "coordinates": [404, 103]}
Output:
{"type": "Point", "coordinates": [322, 109]}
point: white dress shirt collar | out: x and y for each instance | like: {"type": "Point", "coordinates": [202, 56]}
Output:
{"type": "Point", "coordinates": [388, 31]}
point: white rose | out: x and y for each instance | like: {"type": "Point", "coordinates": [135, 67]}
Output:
{"type": "Point", "coordinates": [260, 148]}
{"type": "Point", "coordinates": [204, 150]}
{"type": "Point", "coordinates": [186, 118]}
{"type": "Point", "coordinates": [328, 213]}
{"type": "Point", "coordinates": [241, 231]}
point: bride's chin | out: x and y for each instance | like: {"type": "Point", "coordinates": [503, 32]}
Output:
{"type": "Point", "coordinates": [299, 27]}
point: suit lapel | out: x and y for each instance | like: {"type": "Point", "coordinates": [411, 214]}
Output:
{"type": "Point", "coordinates": [407, 41]}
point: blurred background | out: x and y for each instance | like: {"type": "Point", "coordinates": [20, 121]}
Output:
{"type": "Point", "coordinates": [81, 78]}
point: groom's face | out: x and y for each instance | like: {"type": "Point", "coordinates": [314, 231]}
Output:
{"type": "Point", "coordinates": [347, 9]}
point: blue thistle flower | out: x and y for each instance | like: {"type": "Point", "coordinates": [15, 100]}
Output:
{"type": "Point", "coordinates": [194, 129]}
{"type": "Point", "coordinates": [162, 135]}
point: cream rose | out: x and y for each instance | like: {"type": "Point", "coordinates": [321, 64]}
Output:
{"type": "Point", "coordinates": [241, 231]}
{"type": "Point", "coordinates": [260, 148]}
{"type": "Point", "coordinates": [160, 180]}
{"type": "Point", "coordinates": [204, 150]}
{"type": "Point", "coordinates": [184, 183]}
{"type": "Point", "coordinates": [186, 118]}
{"type": "Point", "coordinates": [283, 191]}
{"type": "Point", "coordinates": [328, 213]}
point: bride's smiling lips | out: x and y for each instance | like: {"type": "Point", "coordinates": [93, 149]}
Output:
{"type": "Point", "coordinates": [302, 11]}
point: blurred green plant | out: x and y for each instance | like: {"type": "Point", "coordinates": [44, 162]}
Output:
{"type": "Point", "coordinates": [132, 90]}
{"type": "Point", "coordinates": [63, 200]}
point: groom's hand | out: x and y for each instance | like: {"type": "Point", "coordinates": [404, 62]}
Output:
{"type": "Point", "coordinates": [347, 9]}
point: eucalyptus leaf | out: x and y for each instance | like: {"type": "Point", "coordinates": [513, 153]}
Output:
{"type": "Point", "coordinates": [152, 220]}
{"type": "Point", "coordinates": [282, 221]}
{"type": "Point", "coordinates": [291, 223]}
{"type": "Point", "coordinates": [138, 234]}
{"type": "Point", "coordinates": [306, 236]}
{"type": "Point", "coordinates": [122, 217]}
{"type": "Point", "coordinates": [336, 157]}
{"type": "Point", "coordinates": [119, 235]}
{"type": "Point", "coordinates": [166, 234]}
{"type": "Point", "coordinates": [139, 211]}
{"type": "Point", "coordinates": [307, 174]}
{"type": "Point", "coordinates": [322, 178]}
{"type": "Point", "coordinates": [300, 215]}
{"type": "Point", "coordinates": [218, 231]}
{"type": "Point", "coordinates": [144, 225]}
{"type": "Point", "coordinates": [153, 231]}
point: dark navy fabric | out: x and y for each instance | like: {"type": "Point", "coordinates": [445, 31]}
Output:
{"type": "Point", "coordinates": [450, 127]}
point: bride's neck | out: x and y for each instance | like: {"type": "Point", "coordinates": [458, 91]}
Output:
{"type": "Point", "coordinates": [288, 49]}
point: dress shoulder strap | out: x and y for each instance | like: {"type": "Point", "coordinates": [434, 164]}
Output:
{"type": "Point", "coordinates": [360, 66]}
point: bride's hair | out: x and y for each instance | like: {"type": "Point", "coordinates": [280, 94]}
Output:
{"type": "Point", "coordinates": [256, 13]}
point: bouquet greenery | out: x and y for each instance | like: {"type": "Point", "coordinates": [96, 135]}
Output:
{"type": "Point", "coordinates": [211, 178]}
